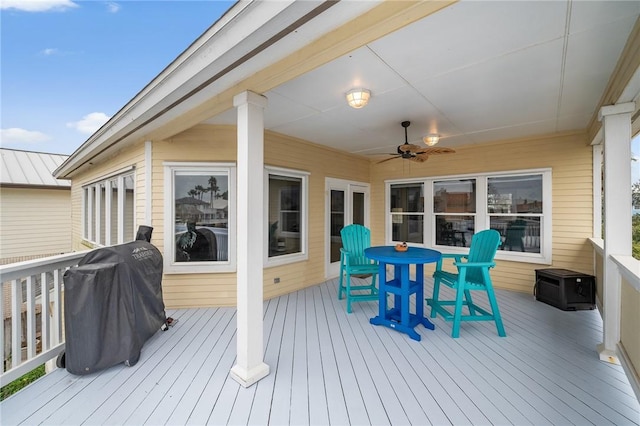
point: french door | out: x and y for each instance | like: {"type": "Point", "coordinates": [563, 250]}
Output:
{"type": "Point", "coordinates": [346, 202]}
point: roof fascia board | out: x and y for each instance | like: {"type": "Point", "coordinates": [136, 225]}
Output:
{"type": "Point", "coordinates": [246, 24]}
{"type": "Point", "coordinates": [29, 186]}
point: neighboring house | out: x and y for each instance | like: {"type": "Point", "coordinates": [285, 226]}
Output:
{"type": "Point", "coordinates": [35, 214]}
{"type": "Point", "coordinates": [257, 105]}
{"type": "Point", "coordinates": [35, 207]}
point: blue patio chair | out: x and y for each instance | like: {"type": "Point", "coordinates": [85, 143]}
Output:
{"type": "Point", "coordinates": [356, 238]}
{"type": "Point", "coordinates": [473, 274]}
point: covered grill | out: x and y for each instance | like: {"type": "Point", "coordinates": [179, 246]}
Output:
{"type": "Point", "coordinates": [113, 305]}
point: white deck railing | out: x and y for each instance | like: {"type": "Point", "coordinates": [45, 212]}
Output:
{"type": "Point", "coordinates": [28, 287]}
{"type": "Point", "coordinates": [629, 269]}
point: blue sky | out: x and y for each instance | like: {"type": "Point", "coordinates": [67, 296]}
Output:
{"type": "Point", "coordinates": [67, 66]}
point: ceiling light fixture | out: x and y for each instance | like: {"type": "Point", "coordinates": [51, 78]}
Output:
{"type": "Point", "coordinates": [431, 139]}
{"type": "Point", "coordinates": [357, 98]}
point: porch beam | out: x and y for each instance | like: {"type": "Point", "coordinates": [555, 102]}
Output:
{"type": "Point", "coordinates": [249, 366]}
{"type": "Point", "coordinates": [617, 217]}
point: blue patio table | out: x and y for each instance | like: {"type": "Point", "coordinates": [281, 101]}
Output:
{"type": "Point", "coordinates": [402, 287]}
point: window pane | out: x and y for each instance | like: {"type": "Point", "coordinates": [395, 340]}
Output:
{"type": "Point", "coordinates": [454, 196]}
{"type": "Point", "coordinates": [358, 208]}
{"type": "Point", "coordinates": [515, 194]}
{"type": "Point", "coordinates": [454, 230]}
{"type": "Point", "coordinates": [285, 199]}
{"type": "Point", "coordinates": [407, 198]}
{"type": "Point", "coordinates": [337, 223]}
{"type": "Point", "coordinates": [518, 233]}
{"type": "Point", "coordinates": [114, 211]}
{"type": "Point", "coordinates": [201, 216]}
{"type": "Point", "coordinates": [129, 202]}
{"type": "Point", "coordinates": [407, 228]}
{"type": "Point", "coordinates": [103, 213]}
{"type": "Point", "coordinates": [289, 195]}
{"type": "Point", "coordinates": [92, 213]}
{"type": "Point", "coordinates": [85, 207]}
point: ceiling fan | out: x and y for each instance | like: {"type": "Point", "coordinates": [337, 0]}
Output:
{"type": "Point", "coordinates": [413, 152]}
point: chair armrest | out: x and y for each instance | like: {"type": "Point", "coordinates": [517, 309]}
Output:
{"type": "Point", "coordinates": [475, 264]}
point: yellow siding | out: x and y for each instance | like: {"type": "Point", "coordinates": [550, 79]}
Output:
{"type": "Point", "coordinates": [629, 321]}
{"type": "Point", "coordinates": [34, 222]}
{"type": "Point", "coordinates": [569, 157]}
{"type": "Point", "coordinates": [218, 143]}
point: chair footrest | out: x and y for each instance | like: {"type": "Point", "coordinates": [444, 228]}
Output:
{"type": "Point", "coordinates": [364, 296]}
{"type": "Point", "coordinates": [448, 315]}
{"type": "Point", "coordinates": [361, 288]}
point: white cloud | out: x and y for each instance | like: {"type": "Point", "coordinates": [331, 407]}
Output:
{"type": "Point", "coordinates": [17, 135]}
{"type": "Point", "coordinates": [89, 123]}
{"type": "Point", "coordinates": [49, 51]}
{"type": "Point", "coordinates": [37, 5]}
{"type": "Point", "coordinates": [113, 7]}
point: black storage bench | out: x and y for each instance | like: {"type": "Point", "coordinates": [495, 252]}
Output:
{"type": "Point", "coordinates": [565, 289]}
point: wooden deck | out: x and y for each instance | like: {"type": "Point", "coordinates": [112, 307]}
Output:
{"type": "Point", "coordinates": [328, 367]}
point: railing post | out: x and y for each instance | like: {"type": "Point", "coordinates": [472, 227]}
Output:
{"type": "Point", "coordinates": [56, 332]}
{"type": "Point", "coordinates": [45, 331]}
{"type": "Point", "coordinates": [31, 318]}
{"type": "Point", "coordinates": [16, 323]}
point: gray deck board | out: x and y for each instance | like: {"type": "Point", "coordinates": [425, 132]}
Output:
{"type": "Point", "coordinates": [318, 408]}
{"type": "Point", "coordinates": [330, 367]}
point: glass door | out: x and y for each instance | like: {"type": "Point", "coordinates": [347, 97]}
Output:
{"type": "Point", "coordinates": [347, 202]}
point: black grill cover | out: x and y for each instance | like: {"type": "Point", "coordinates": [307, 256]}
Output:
{"type": "Point", "coordinates": [113, 305]}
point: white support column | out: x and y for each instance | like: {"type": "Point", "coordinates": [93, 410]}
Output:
{"type": "Point", "coordinates": [249, 366]}
{"type": "Point", "coordinates": [617, 217]}
{"type": "Point", "coordinates": [148, 181]}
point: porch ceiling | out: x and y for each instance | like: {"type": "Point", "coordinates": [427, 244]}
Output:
{"type": "Point", "coordinates": [473, 72]}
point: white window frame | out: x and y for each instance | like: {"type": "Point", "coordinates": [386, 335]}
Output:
{"type": "Point", "coordinates": [432, 225]}
{"type": "Point", "coordinates": [482, 217]}
{"type": "Point", "coordinates": [389, 214]}
{"type": "Point", "coordinates": [304, 217]}
{"type": "Point", "coordinates": [92, 209]}
{"type": "Point", "coordinates": [170, 265]}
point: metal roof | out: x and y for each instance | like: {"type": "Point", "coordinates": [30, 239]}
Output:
{"type": "Point", "coordinates": [27, 168]}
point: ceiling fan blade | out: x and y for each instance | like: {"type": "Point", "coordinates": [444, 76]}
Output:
{"type": "Point", "coordinates": [435, 150]}
{"type": "Point", "coordinates": [387, 159]}
{"type": "Point", "coordinates": [420, 158]}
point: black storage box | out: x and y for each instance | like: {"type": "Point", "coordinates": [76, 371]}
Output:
{"type": "Point", "coordinates": [113, 305]}
{"type": "Point", "coordinates": [565, 289]}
